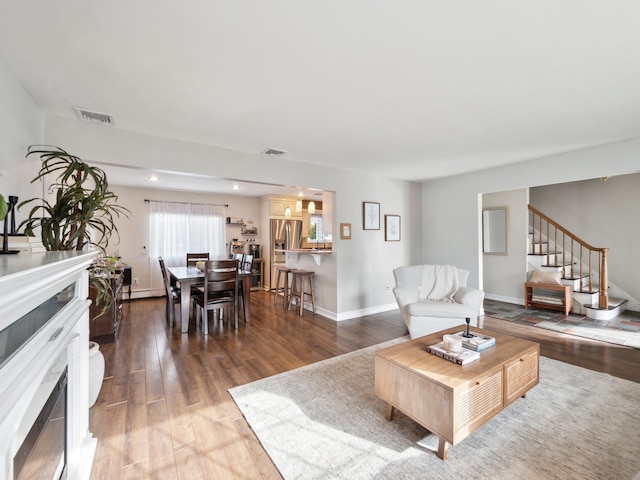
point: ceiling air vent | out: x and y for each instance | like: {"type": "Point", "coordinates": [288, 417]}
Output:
{"type": "Point", "coordinates": [91, 116]}
{"type": "Point", "coordinates": [273, 151]}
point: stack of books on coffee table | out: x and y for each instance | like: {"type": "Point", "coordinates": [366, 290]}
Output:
{"type": "Point", "coordinates": [476, 342]}
{"type": "Point", "coordinates": [461, 358]}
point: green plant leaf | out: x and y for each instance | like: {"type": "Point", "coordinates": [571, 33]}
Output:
{"type": "Point", "coordinates": [3, 207]}
{"type": "Point", "coordinates": [83, 205]}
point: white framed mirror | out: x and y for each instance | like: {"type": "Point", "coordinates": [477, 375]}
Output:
{"type": "Point", "coordinates": [495, 230]}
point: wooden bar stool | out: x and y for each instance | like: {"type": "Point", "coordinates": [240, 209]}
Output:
{"type": "Point", "coordinates": [298, 288]}
{"type": "Point", "coordinates": [283, 271]}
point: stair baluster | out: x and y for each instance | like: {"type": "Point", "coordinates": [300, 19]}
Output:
{"type": "Point", "coordinates": [603, 278]}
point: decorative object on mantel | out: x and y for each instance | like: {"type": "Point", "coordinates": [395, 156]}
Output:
{"type": "Point", "coordinates": [370, 216]}
{"type": "Point", "coordinates": [392, 228]}
{"type": "Point", "coordinates": [13, 200]}
{"type": "Point", "coordinates": [4, 209]}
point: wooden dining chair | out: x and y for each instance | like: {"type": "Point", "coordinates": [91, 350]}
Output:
{"type": "Point", "coordinates": [193, 258]}
{"type": "Point", "coordinates": [247, 263]}
{"type": "Point", "coordinates": [239, 257]}
{"type": "Point", "coordinates": [220, 291]}
{"type": "Point", "coordinates": [172, 292]}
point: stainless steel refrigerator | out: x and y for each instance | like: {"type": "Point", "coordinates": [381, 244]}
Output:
{"type": "Point", "coordinates": [285, 235]}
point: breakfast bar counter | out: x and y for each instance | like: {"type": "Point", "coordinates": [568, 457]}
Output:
{"type": "Point", "coordinates": [316, 253]}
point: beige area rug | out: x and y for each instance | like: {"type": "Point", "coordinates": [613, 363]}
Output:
{"type": "Point", "coordinates": [323, 421]}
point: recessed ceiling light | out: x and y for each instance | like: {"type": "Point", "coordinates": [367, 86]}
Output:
{"type": "Point", "coordinates": [236, 187]}
{"type": "Point", "coordinates": [152, 178]}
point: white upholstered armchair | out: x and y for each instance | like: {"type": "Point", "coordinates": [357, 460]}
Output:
{"type": "Point", "coordinates": [435, 297]}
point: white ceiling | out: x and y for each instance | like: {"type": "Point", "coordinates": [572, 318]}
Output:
{"type": "Point", "coordinates": [165, 180]}
{"type": "Point", "coordinates": [406, 89]}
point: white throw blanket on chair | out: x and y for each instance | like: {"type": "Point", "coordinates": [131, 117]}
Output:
{"type": "Point", "coordinates": [439, 283]}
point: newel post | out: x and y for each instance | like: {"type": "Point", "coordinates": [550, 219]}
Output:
{"type": "Point", "coordinates": [603, 299]}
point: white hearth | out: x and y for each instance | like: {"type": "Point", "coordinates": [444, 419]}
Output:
{"type": "Point", "coordinates": [44, 328]}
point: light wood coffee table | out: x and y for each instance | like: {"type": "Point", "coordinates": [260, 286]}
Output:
{"type": "Point", "coordinates": [450, 400]}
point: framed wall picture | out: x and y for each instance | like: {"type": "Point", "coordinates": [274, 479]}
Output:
{"type": "Point", "coordinates": [345, 231]}
{"type": "Point", "coordinates": [370, 216]}
{"type": "Point", "coordinates": [392, 228]}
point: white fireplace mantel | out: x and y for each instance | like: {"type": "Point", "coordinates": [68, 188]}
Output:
{"type": "Point", "coordinates": [26, 282]}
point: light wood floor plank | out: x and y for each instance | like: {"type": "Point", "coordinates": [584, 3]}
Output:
{"type": "Point", "coordinates": [108, 460]}
{"type": "Point", "coordinates": [264, 465]}
{"type": "Point", "coordinates": [162, 462]}
{"type": "Point", "coordinates": [136, 437]}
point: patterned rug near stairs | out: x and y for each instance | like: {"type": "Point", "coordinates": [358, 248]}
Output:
{"type": "Point", "coordinates": [622, 330]}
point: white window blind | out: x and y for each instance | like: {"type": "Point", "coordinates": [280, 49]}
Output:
{"type": "Point", "coordinates": [176, 228]}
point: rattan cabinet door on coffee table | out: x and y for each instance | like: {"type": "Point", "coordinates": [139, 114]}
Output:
{"type": "Point", "coordinates": [450, 400]}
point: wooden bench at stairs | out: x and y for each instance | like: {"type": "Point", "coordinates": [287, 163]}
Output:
{"type": "Point", "coordinates": [562, 300]}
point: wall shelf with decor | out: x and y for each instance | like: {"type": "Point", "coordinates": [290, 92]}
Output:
{"type": "Point", "coordinates": [235, 221]}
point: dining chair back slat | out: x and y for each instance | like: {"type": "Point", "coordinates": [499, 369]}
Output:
{"type": "Point", "coordinates": [239, 257]}
{"type": "Point", "coordinates": [193, 258]}
{"type": "Point", "coordinates": [247, 263]}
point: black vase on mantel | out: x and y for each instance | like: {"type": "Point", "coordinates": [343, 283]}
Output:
{"type": "Point", "coordinates": [5, 236]}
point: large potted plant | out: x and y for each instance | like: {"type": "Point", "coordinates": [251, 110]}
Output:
{"type": "Point", "coordinates": [80, 214]}
{"type": "Point", "coordinates": [84, 209]}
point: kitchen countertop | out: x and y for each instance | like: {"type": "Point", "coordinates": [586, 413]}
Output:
{"type": "Point", "coordinates": [307, 250]}
{"type": "Point", "coordinates": [316, 254]}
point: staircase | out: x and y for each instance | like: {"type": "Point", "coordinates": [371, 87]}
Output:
{"type": "Point", "coordinates": [584, 267]}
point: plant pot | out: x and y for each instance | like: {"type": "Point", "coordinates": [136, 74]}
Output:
{"type": "Point", "coordinates": [96, 372]}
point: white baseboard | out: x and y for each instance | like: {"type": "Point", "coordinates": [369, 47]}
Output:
{"type": "Point", "coordinates": [365, 311]}
{"type": "Point", "coordinates": [500, 298]}
{"type": "Point", "coordinates": [146, 293]}
{"type": "Point", "coordinates": [352, 314]}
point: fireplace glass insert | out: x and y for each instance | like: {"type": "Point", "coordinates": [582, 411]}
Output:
{"type": "Point", "coordinates": [42, 454]}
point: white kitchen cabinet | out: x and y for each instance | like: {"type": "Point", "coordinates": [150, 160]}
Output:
{"type": "Point", "coordinates": [277, 207]}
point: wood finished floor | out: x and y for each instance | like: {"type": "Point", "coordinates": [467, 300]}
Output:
{"type": "Point", "coordinates": [164, 410]}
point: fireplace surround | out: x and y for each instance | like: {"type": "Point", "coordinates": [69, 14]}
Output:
{"type": "Point", "coordinates": [44, 331]}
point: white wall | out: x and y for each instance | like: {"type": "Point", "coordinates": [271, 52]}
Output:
{"type": "Point", "coordinates": [21, 125]}
{"type": "Point", "coordinates": [451, 206]}
{"type": "Point", "coordinates": [364, 264]}
{"type": "Point", "coordinates": [503, 275]}
{"type": "Point", "coordinates": [603, 214]}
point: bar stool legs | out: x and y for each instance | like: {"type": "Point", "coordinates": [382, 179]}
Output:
{"type": "Point", "coordinates": [282, 271]}
{"type": "Point", "coordinates": [298, 289]}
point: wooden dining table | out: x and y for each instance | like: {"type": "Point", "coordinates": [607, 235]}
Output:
{"type": "Point", "coordinates": [189, 276]}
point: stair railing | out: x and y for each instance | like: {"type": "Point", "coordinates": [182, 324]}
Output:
{"type": "Point", "coordinates": [578, 250]}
